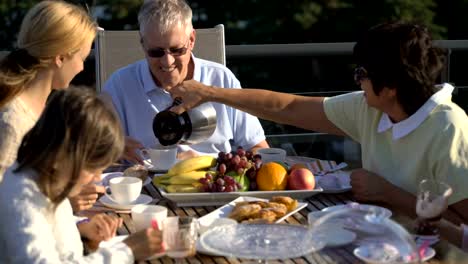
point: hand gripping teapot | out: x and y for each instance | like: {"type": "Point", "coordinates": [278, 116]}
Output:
{"type": "Point", "coordinates": [190, 127]}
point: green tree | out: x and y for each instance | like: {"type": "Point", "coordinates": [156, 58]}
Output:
{"type": "Point", "coordinates": [11, 14]}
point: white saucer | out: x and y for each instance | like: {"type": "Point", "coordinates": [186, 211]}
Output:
{"type": "Point", "coordinates": [118, 239]}
{"type": "Point", "coordinates": [335, 182]}
{"type": "Point", "coordinates": [384, 212]}
{"type": "Point", "coordinates": [105, 178]}
{"type": "Point", "coordinates": [428, 254]}
{"type": "Point", "coordinates": [377, 253]}
{"type": "Point", "coordinates": [142, 199]}
{"type": "Point", "coordinates": [364, 253]}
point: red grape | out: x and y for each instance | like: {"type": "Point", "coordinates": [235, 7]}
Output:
{"type": "Point", "coordinates": [222, 168]}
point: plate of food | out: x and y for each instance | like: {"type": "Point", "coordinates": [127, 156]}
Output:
{"type": "Point", "coordinates": [220, 198]}
{"type": "Point", "coordinates": [248, 209]}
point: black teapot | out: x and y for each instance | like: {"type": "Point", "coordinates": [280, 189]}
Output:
{"type": "Point", "coordinates": [190, 127]}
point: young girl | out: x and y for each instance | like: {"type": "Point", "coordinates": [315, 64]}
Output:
{"type": "Point", "coordinates": [76, 137]}
{"type": "Point", "coordinates": [54, 39]}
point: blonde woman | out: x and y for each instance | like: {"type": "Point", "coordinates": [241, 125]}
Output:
{"type": "Point", "coordinates": [75, 138]}
{"type": "Point", "coordinates": [54, 39]}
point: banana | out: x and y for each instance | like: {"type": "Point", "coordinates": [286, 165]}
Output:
{"type": "Point", "coordinates": [182, 178]}
{"type": "Point", "coordinates": [181, 188]}
{"type": "Point", "coordinates": [192, 164]}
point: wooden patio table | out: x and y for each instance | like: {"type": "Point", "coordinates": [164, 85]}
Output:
{"type": "Point", "coordinates": [446, 252]}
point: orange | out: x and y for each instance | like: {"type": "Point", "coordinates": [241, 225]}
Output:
{"type": "Point", "coordinates": [272, 177]}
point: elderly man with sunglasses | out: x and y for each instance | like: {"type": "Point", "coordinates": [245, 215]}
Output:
{"type": "Point", "coordinates": [408, 127]}
{"type": "Point", "coordinates": [141, 90]}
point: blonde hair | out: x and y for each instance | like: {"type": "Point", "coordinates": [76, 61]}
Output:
{"type": "Point", "coordinates": [166, 14]}
{"type": "Point", "coordinates": [50, 28]}
{"type": "Point", "coordinates": [77, 131]}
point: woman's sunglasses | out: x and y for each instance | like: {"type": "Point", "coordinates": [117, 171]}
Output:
{"type": "Point", "coordinates": [360, 74]}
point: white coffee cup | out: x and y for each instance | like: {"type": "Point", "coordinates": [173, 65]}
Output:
{"type": "Point", "coordinates": [161, 158]}
{"type": "Point", "coordinates": [143, 214]}
{"type": "Point", "coordinates": [124, 190]}
{"type": "Point", "coordinates": [272, 154]}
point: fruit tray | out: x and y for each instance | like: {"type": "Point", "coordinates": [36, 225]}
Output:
{"type": "Point", "coordinates": [220, 198]}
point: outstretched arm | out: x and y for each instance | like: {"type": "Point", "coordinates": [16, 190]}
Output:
{"type": "Point", "coordinates": [300, 111]}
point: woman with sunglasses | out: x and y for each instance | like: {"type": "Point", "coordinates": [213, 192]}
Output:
{"type": "Point", "coordinates": [408, 127]}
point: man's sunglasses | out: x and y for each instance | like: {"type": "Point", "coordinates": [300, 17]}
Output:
{"type": "Point", "coordinates": [360, 74]}
{"type": "Point", "coordinates": [176, 52]}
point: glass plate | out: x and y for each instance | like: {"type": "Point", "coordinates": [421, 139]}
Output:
{"type": "Point", "coordinates": [260, 241]}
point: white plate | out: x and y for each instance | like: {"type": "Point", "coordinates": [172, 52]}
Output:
{"type": "Point", "coordinates": [291, 160]}
{"type": "Point", "coordinates": [142, 199]}
{"type": "Point", "coordinates": [209, 199]}
{"type": "Point", "coordinates": [377, 253]}
{"type": "Point", "coordinates": [118, 239]}
{"type": "Point", "coordinates": [428, 254]}
{"type": "Point", "coordinates": [364, 253]}
{"type": "Point", "coordinates": [340, 182]}
{"type": "Point", "coordinates": [224, 211]}
{"type": "Point", "coordinates": [384, 212]}
{"type": "Point", "coordinates": [105, 178]}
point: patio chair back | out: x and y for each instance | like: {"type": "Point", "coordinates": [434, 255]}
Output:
{"type": "Point", "coordinates": [116, 49]}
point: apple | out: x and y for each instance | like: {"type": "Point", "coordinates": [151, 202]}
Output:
{"type": "Point", "coordinates": [297, 166]}
{"type": "Point", "coordinates": [301, 179]}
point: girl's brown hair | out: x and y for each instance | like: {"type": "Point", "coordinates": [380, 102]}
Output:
{"type": "Point", "coordinates": [76, 132]}
{"type": "Point", "coordinates": [49, 29]}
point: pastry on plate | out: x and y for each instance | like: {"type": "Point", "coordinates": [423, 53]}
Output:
{"type": "Point", "coordinates": [265, 214]}
{"type": "Point", "coordinates": [278, 209]}
{"type": "Point", "coordinates": [289, 202]}
{"type": "Point", "coordinates": [245, 211]}
{"type": "Point", "coordinates": [262, 204]}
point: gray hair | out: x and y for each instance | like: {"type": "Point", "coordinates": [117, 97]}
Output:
{"type": "Point", "coordinates": [165, 14]}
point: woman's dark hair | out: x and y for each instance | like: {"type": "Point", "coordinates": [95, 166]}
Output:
{"type": "Point", "coordinates": [401, 56]}
{"type": "Point", "coordinates": [76, 132]}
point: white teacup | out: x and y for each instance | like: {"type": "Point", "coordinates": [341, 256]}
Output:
{"type": "Point", "coordinates": [272, 154]}
{"type": "Point", "coordinates": [124, 190]}
{"type": "Point", "coordinates": [143, 214]}
{"type": "Point", "coordinates": [161, 158]}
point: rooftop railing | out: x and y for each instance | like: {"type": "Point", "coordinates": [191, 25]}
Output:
{"type": "Point", "coordinates": [309, 144]}
{"type": "Point", "coordinates": [318, 144]}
